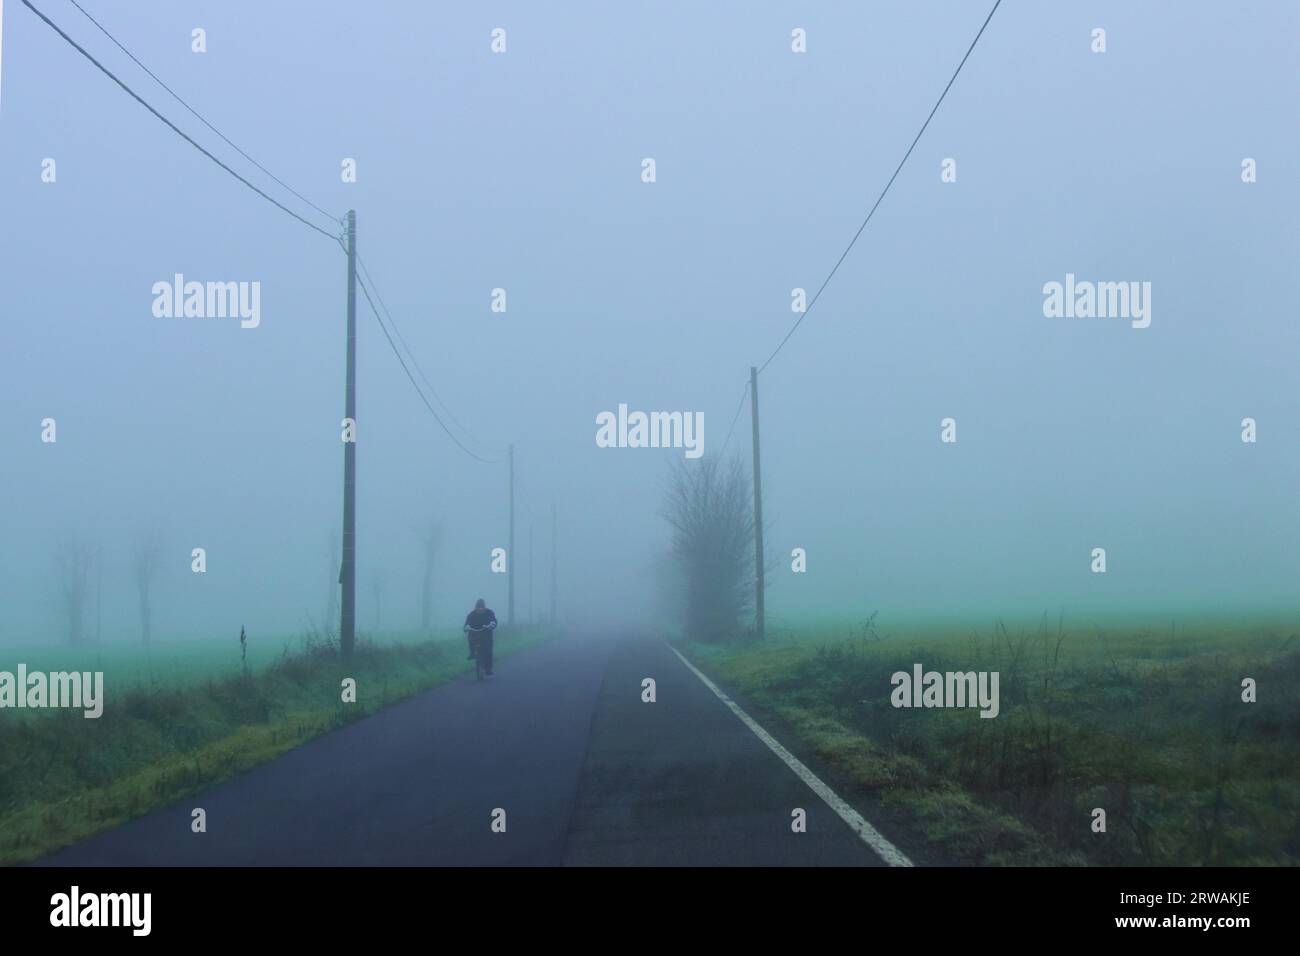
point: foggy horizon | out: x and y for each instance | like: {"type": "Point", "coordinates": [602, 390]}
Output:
{"type": "Point", "coordinates": [523, 172]}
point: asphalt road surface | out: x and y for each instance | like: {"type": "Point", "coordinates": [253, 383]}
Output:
{"type": "Point", "coordinates": [560, 740]}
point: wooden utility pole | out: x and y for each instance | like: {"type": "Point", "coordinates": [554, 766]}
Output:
{"type": "Point", "coordinates": [510, 548]}
{"type": "Point", "coordinates": [348, 572]}
{"type": "Point", "coordinates": [552, 564]}
{"type": "Point", "coordinates": [758, 506]}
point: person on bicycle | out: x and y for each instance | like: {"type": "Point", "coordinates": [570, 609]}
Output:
{"type": "Point", "coordinates": [479, 625]}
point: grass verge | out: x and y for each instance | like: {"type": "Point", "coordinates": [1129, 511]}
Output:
{"type": "Point", "coordinates": [1149, 727]}
{"type": "Point", "coordinates": [64, 778]}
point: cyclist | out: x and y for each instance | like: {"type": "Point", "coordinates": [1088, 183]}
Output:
{"type": "Point", "coordinates": [479, 625]}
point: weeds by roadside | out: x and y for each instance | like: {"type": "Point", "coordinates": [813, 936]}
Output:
{"type": "Point", "coordinates": [63, 777]}
{"type": "Point", "coordinates": [1149, 727]}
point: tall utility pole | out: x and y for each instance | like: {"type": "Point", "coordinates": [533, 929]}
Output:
{"type": "Point", "coordinates": [552, 564]}
{"type": "Point", "coordinates": [348, 573]}
{"type": "Point", "coordinates": [758, 505]}
{"type": "Point", "coordinates": [530, 572]}
{"type": "Point", "coordinates": [510, 548]}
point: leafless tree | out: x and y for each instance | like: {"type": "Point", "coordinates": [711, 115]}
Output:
{"type": "Point", "coordinates": [144, 569]}
{"type": "Point", "coordinates": [377, 589]}
{"type": "Point", "coordinates": [669, 593]}
{"type": "Point", "coordinates": [72, 559]}
{"type": "Point", "coordinates": [431, 539]}
{"type": "Point", "coordinates": [710, 509]}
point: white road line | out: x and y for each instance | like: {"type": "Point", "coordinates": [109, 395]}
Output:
{"type": "Point", "coordinates": [869, 834]}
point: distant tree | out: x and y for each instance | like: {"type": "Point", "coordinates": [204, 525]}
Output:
{"type": "Point", "coordinates": [144, 570]}
{"type": "Point", "coordinates": [431, 540]}
{"type": "Point", "coordinates": [72, 559]}
{"type": "Point", "coordinates": [669, 589]}
{"type": "Point", "coordinates": [709, 506]}
{"type": "Point", "coordinates": [377, 589]}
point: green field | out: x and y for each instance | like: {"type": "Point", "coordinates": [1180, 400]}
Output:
{"type": "Point", "coordinates": [182, 716]}
{"type": "Point", "coordinates": [174, 664]}
{"type": "Point", "coordinates": [1148, 725]}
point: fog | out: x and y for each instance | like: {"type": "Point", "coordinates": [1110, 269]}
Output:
{"type": "Point", "coordinates": [523, 171]}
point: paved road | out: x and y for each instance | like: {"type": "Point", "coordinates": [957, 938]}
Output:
{"type": "Point", "coordinates": [560, 740]}
{"type": "Point", "coordinates": [683, 782]}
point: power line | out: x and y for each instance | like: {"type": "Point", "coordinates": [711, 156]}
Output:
{"type": "Point", "coordinates": [735, 418]}
{"type": "Point", "coordinates": [411, 355]}
{"type": "Point", "coordinates": [174, 128]}
{"type": "Point", "coordinates": [176, 96]}
{"type": "Point", "coordinates": [415, 384]}
{"type": "Point", "coordinates": [881, 197]}
{"type": "Point", "coordinates": [521, 498]}
{"type": "Point", "coordinates": [365, 271]}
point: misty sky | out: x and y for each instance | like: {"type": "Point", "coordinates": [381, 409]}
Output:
{"type": "Point", "coordinates": [523, 171]}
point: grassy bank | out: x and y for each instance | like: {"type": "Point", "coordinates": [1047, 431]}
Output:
{"type": "Point", "coordinates": [1149, 726]}
{"type": "Point", "coordinates": [180, 663]}
{"type": "Point", "coordinates": [178, 719]}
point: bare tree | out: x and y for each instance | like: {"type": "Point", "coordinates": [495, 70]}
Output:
{"type": "Point", "coordinates": [73, 558]}
{"type": "Point", "coordinates": [669, 593]}
{"type": "Point", "coordinates": [377, 589]}
{"type": "Point", "coordinates": [431, 539]}
{"type": "Point", "coordinates": [709, 508]}
{"type": "Point", "coordinates": [144, 569]}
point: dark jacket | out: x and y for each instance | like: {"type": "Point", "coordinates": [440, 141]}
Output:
{"type": "Point", "coordinates": [481, 617]}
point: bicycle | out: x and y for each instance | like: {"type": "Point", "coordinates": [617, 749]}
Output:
{"type": "Point", "coordinates": [477, 640]}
